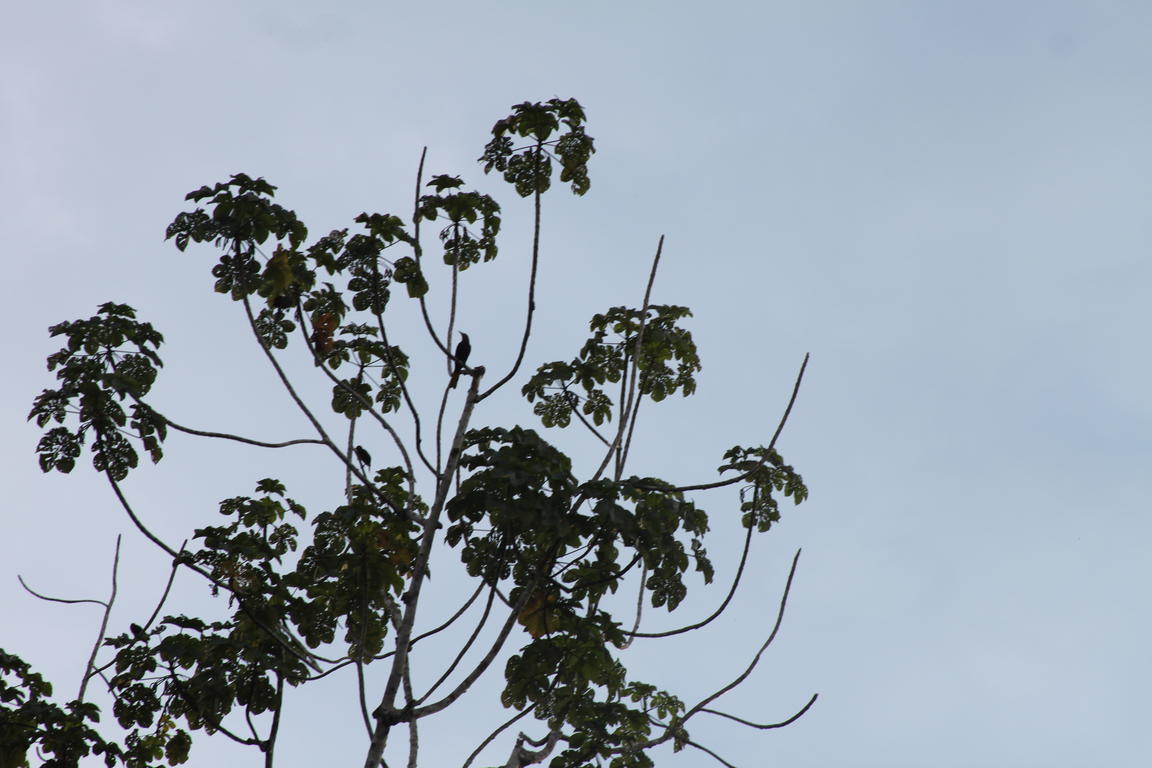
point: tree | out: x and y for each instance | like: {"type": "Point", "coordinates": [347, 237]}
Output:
{"type": "Point", "coordinates": [547, 550]}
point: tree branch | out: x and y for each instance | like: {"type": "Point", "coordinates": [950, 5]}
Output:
{"type": "Point", "coordinates": [385, 713]}
{"type": "Point", "coordinates": [718, 611]}
{"type": "Point", "coordinates": [766, 726]}
{"type": "Point", "coordinates": [756, 659]}
{"type": "Point", "coordinates": [710, 753]}
{"type": "Point", "coordinates": [499, 729]}
{"type": "Point", "coordinates": [531, 290]}
{"type": "Point", "coordinates": [771, 445]}
{"type": "Point", "coordinates": [464, 649]}
{"type": "Point", "coordinates": [237, 438]}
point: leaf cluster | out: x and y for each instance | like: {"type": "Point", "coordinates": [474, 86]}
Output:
{"type": "Point", "coordinates": [110, 361]}
{"type": "Point", "coordinates": [765, 473]}
{"type": "Point", "coordinates": [663, 353]}
{"type": "Point", "coordinates": [61, 734]}
{"type": "Point", "coordinates": [529, 168]}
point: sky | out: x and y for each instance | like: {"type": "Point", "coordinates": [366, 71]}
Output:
{"type": "Point", "coordinates": [944, 203]}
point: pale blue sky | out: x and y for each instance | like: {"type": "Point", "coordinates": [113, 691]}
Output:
{"type": "Point", "coordinates": [946, 203]}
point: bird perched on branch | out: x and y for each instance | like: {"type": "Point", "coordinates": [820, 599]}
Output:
{"type": "Point", "coordinates": [363, 457]}
{"type": "Point", "coordinates": [463, 349]}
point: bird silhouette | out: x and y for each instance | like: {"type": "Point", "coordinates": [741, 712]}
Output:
{"type": "Point", "coordinates": [363, 456]}
{"type": "Point", "coordinates": [463, 349]}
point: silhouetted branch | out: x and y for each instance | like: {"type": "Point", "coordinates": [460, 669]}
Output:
{"type": "Point", "coordinates": [766, 726]}
{"type": "Point", "coordinates": [756, 659]}
{"type": "Point", "coordinates": [723, 605]}
{"type": "Point", "coordinates": [710, 753]}
{"type": "Point", "coordinates": [499, 729]}
{"type": "Point", "coordinates": [531, 294]}
{"type": "Point", "coordinates": [237, 438]}
{"type": "Point", "coordinates": [771, 445]}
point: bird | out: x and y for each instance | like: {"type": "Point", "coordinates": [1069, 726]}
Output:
{"type": "Point", "coordinates": [463, 349]}
{"type": "Point", "coordinates": [363, 456]}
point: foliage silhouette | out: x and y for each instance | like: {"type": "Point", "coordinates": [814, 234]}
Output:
{"type": "Point", "coordinates": [308, 596]}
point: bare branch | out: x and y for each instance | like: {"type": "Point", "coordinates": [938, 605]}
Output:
{"type": "Point", "coordinates": [710, 753]}
{"type": "Point", "coordinates": [482, 666]}
{"type": "Point", "coordinates": [639, 607]}
{"type": "Point", "coordinates": [756, 659]}
{"type": "Point", "coordinates": [155, 611]}
{"type": "Point", "coordinates": [237, 438]}
{"type": "Point", "coordinates": [91, 665]}
{"type": "Point", "coordinates": [464, 649]}
{"type": "Point", "coordinates": [418, 253]}
{"type": "Point", "coordinates": [34, 593]}
{"type": "Point", "coordinates": [767, 453]}
{"type": "Point", "coordinates": [634, 411]}
{"type": "Point", "coordinates": [531, 295]}
{"type": "Point", "coordinates": [499, 729]}
{"type": "Point", "coordinates": [766, 726]}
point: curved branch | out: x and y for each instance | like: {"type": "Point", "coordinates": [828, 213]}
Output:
{"type": "Point", "coordinates": [464, 649]}
{"type": "Point", "coordinates": [446, 624]}
{"type": "Point", "coordinates": [482, 666]}
{"type": "Point", "coordinates": [237, 438]}
{"type": "Point", "coordinates": [718, 611]}
{"type": "Point", "coordinates": [766, 726]}
{"type": "Point", "coordinates": [756, 659]}
{"type": "Point", "coordinates": [34, 593]}
{"type": "Point", "coordinates": [639, 607]}
{"type": "Point", "coordinates": [771, 445]}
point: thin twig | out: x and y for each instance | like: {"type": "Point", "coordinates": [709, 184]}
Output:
{"type": "Point", "coordinates": [91, 665]}
{"type": "Point", "coordinates": [500, 729]}
{"type": "Point", "coordinates": [768, 452]}
{"type": "Point", "coordinates": [756, 659]}
{"type": "Point", "coordinates": [418, 253]}
{"type": "Point", "coordinates": [766, 726]}
{"type": "Point", "coordinates": [237, 438]}
{"type": "Point", "coordinates": [464, 649]}
{"type": "Point", "coordinates": [34, 593]}
{"type": "Point", "coordinates": [710, 753]}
